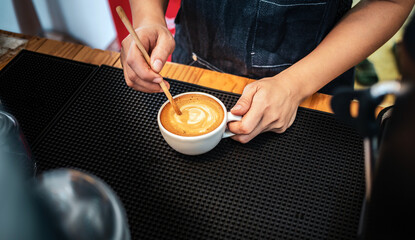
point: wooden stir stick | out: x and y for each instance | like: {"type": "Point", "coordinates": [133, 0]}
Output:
{"type": "Point", "coordinates": [140, 46]}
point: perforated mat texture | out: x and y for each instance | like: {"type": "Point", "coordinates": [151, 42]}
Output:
{"type": "Point", "coordinates": [307, 183]}
{"type": "Point", "coordinates": [34, 87]}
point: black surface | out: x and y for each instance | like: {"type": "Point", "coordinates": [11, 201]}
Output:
{"type": "Point", "coordinates": [34, 87]}
{"type": "Point", "coordinates": [307, 183]}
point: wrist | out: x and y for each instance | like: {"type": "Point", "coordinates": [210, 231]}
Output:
{"type": "Point", "coordinates": [148, 13]}
{"type": "Point", "coordinates": [149, 20]}
{"type": "Point", "coordinates": [300, 89]}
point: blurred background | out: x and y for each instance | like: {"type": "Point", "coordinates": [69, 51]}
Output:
{"type": "Point", "coordinates": [87, 22]}
{"type": "Point", "coordinates": [94, 23]}
{"type": "Point", "coordinates": [91, 23]}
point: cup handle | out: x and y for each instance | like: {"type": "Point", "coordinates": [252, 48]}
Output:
{"type": "Point", "coordinates": [230, 118]}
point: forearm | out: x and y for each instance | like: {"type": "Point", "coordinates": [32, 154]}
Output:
{"type": "Point", "coordinates": [144, 11]}
{"type": "Point", "coordinates": [364, 29]}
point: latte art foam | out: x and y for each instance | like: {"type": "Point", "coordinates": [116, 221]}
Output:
{"type": "Point", "coordinates": [200, 115]}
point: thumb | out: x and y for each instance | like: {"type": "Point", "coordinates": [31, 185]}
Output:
{"type": "Point", "coordinates": [165, 46]}
{"type": "Point", "coordinates": [244, 103]}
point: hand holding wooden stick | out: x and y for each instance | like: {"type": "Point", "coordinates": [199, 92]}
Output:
{"type": "Point", "coordinates": [140, 46]}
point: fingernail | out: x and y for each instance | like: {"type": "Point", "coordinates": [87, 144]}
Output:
{"type": "Point", "coordinates": [157, 65]}
{"type": "Point", "coordinates": [236, 107]}
{"type": "Point", "coordinates": [157, 80]}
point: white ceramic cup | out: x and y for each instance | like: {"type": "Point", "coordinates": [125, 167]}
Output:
{"type": "Point", "coordinates": [195, 145]}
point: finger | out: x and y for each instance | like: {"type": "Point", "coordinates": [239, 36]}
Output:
{"type": "Point", "coordinates": [277, 127]}
{"type": "Point", "coordinates": [244, 102]}
{"type": "Point", "coordinates": [142, 85]}
{"type": "Point", "coordinates": [122, 57]}
{"type": "Point", "coordinates": [292, 119]}
{"type": "Point", "coordinates": [138, 85]}
{"type": "Point", "coordinates": [245, 138]}
{"type": "Point", "coordinates": [127, 70]}
{"type": "Point", "coordinates": [250, 120]}
{"type": "Point", "coordinates": [138, 64]}
{"type": "Point", "coordinates": [131, 77]}
{"type": "Point", "coordinates": [149, 87]}
{"type": "Point", "coordinates": [165, 46]}
{"type": "Point", "coordinates": [148, 37]}
{"type": "Point", "coordinates": [127, 79]}
{"type": "Point", "coordinates": [279, 130]}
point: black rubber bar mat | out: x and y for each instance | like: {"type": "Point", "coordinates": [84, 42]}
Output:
{"type": "Point", "coordinates": [307, 183]}
{"type": "Point", "coordinates": [34, 87]}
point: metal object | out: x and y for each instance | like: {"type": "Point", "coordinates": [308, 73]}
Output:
{"type": "Point", "coordinates": [366, 124]}
{"type": "Point", "coordinates": [18, 207]}
{"type": "Point", "coordinates": [13, 146]}
{"type": "Point", "coordinates": [83, 205]}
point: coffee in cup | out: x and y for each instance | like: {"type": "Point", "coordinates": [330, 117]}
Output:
{"type": "Point", "coordinates": [200, 127]}
{"type": "Point", "coordinates": [200, 115]}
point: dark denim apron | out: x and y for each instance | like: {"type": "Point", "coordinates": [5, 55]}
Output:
{"type": "Point", "coordinates": [255, 38]}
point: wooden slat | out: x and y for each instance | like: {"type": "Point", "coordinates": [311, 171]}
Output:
{"type": "Point", "coordinates": [34, 43]}
{"type": "Point", "coordinates": [170, 70]}
{"type": "Point", "coordinates": [117, 64]}
{"type": "Point", "coordinates": [318, 101]}
{"type": "Point", "coordinates": [96, 56]}
{"type": "Point", "coordinates": [60, 49]}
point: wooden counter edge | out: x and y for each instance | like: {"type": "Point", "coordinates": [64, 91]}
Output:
{"type": "Point", "coordinates": [190, 74]}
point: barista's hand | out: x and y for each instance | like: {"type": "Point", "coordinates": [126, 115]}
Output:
{"type": "Point", "coordinates": [159, 44]}
{"type": "Point", "coordinates": [269, 104]}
